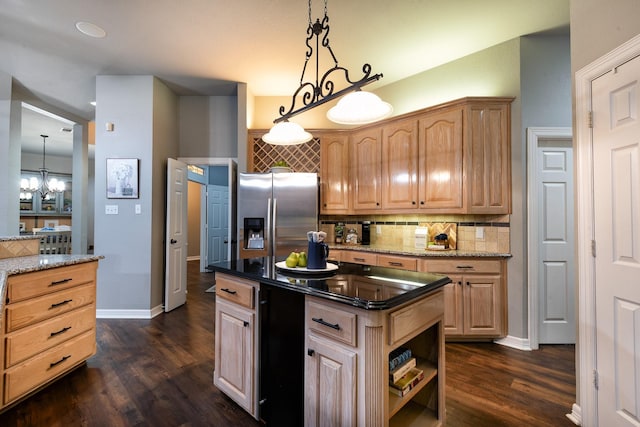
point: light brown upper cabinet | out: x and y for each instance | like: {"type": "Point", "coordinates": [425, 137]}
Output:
{"type": "Point", "coordinates": [334, 173]}
{"type": "Point", "coordinates": [399, 161]}
{"type": "Point", "coordinates": [451, 158]}
{"type": "Point", "coordinates": [365, 169]}
{"type": "Point", "coordinates": [488, 156]}
{"type": "Point", "coordinates": [441, 166]}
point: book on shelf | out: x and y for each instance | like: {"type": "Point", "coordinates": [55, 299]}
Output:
{"type": "Point", "coordinates": [401, 370]}
{"type": "Point", "coordinates": [398, 356]}
{"type": "Point", "coordinates": [407, 382]}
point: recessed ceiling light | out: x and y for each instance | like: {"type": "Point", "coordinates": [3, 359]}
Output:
{"type": "Point", "coordinates": [91, 30]}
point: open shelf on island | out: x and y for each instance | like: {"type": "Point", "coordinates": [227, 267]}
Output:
{"type": "Point", "coordinates": [415, 415]}
{"type": "Point", "coordinates": [396, 402]}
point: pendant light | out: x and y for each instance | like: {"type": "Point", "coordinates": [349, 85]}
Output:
{"type": "Point", "coordinates": [359, 107]}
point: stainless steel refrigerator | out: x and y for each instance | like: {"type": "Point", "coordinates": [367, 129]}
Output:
{"type": "Point", "coordinates": [275, 212]}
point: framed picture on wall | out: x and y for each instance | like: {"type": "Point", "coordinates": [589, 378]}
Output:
{"type": "Point", "coordinates": [122, 178]}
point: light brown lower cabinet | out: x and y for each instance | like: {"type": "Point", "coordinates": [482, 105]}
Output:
{"type": "Point", "coordinates": [475, 300]}
{"type": "Point", "coordinates": [236, 365]}
{"type": "Point", "coordinates": [347, 363]}
{"type": "Point", "coordinates": [48, 329]}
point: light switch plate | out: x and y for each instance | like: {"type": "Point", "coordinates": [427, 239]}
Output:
{"type": "Point", "coordinates": [480, 233]}
{"type": "Point", "coordinates": [111, 209]}
{"type": "Point", "coordinates": [138, 209]}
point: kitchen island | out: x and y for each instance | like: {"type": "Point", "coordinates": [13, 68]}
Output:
{"type": "Point", "coordinates": [296, 347]}
{"type": "Point", "coordinates": [47, 316]}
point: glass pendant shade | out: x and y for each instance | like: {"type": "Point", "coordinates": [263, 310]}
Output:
{"type": "Point", "coordinates": [359, 108]}
{"type": "Point", "coordinates": [287, 133]}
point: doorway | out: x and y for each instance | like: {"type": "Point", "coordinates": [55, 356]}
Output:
{"type": "Point", "coordinates": [551, 276]}
{"type": "Point", "coordinates": [217, 227]}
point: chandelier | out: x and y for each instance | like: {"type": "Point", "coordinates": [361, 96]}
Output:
{"type": "Point", "coordinates": [357, 107]}
{"type": "Point", "coordinates": [45, 186]}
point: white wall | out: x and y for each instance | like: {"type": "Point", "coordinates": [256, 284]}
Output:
{"type": "Point", "coordinates": [144, 113]}
{"type": "Point", "coordinates": [9, 159]}
{"type": "Point", "coordinates": [208, 126]}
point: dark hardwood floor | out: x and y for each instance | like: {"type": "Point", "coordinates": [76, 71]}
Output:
{"type": "Point", "coordinates": [158, 372]}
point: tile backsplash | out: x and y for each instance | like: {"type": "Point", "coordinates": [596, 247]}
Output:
{"type": "Point", "coordinates": [473, 232]}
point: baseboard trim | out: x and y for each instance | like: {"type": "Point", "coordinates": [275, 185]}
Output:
{"type": "Point", "coordinates": [576, 415]}
{"type": "Point", "coordinates": [515, 342]}
{"type": "Point", "coordinates": [129, 314]}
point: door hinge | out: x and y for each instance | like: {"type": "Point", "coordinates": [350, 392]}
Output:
{"type": "Point", "coordinates": [593, 248]}
{"type": "Point", "coordinates": [590, 120]}
{"type": "Point", "coordinates": [595, 379]}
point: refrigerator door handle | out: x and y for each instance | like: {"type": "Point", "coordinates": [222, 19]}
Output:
{"type": "Point", "coordinates": [274, 219]}
{"type": "Point", "coordinates": [269, 230]}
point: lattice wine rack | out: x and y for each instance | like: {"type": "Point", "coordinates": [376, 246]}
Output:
{"type": "Point", "coordinates": [300, 158]}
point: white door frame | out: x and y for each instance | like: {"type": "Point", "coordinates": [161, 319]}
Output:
{"type": "Point", "coordinates": [586, 361]}
{"type": "Point", "coordinates": [216, 161]}
{"type": "Point", "coordinates": [533, 135]}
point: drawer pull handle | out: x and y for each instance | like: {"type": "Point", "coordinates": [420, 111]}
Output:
{"type": "Point", "coordinates": [51, 365]}
{"type": "Point", "coordinates": [465, 267]}
{"type": "Point", "coordinates": [60, 282]}
{"type": "Point", "coordinates": [395, 263]}
{"type": "Point", "coordinates": [358, 259]}
{"type": "Point", "coordinates": [58, 304]}
{"type": "Point", "coordinates": [61, 331]}
{"type": "Point", "coordinates": [322, 322]}
{"type": "Point", "coordinates": [229, 291]}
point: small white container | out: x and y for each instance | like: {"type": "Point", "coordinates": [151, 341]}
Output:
{"type": "Point", "coordinates": [421, 237]}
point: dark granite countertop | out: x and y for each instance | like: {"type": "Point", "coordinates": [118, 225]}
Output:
{"type": "Point", "coordinates": [366, 287]}
{"type": "Point", "coordinates": [410, 251]}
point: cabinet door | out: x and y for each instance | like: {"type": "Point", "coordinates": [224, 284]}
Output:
{"type": "Point", "coordinates": [234, 353]}
{"type": "Point", "coordinates": [440, 157]}
{"type": "Point", "coordinates": [330, 390]}
{"type": "Point", "coordinates": [365, 161]}
{"type": "Point", "coordinates": [400, 165]}
{"type": "Point", "coordinates": [488, 158]}
{"type": "Point", "coordinates": [482, 305]}
{"type": "Point", "coordinates": [453, 306]}
{"type": "Point", "coordinates": [334, 174]}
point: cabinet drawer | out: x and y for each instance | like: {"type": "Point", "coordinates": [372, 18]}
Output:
{"type": "Point", "coordinates": [235, 290]}
{"type": "Point", "coordinates": [337, 324]}
{"type": "Point", "coordinates": [32, 340]}
{"type": "Point", "coordinates": [35, 310]}
{"type": "Point", "coordinates": [461, 266]}
{"type": "Point", "coordinates": [359, 257]}
{"type": "Point", "coordinates": [29, 285]}
{"type": "Point", "coordinates": [400, 262]}
{"type": "Point", "coordinates": [36, 371]}
{"type": "Point", "coordinates": [407, 321]}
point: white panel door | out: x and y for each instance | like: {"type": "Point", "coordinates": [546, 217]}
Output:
{"type": "Point", "coordinates": [556, 259]}
{"type": "Point", "coordinates": [616, 164]}
{"type": "Point", "coordinates": [218, 223]}
{"type": "Point", "coordinates": [175, 287]}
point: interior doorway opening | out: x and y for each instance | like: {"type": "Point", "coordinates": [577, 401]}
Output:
{"type": "Point", "coordinates": [212, 210]}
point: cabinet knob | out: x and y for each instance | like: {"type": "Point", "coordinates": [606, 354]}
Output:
{"type": "Point", "coordinates": [467, 283]}
{"type": "Point", "coordinates": [413, 202]}
{"type": "Point", "coordinates": [421, 202]}
{"type": "Point", "coordinates": [245, 323]}
{"type": "Point", "coordinates": [310, 352]}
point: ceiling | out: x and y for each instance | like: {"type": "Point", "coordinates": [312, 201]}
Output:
{"type": "Point", "coordinates": [203, 47]}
